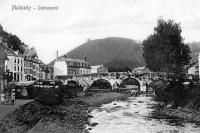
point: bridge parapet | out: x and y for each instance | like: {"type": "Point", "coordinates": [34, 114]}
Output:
{"type": "Point", "coordinates": [87, 80]}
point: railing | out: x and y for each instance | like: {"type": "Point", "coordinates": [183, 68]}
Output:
{"type": "Point", "coordinates": [8, 98]}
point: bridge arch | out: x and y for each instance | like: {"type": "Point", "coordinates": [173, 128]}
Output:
{"type": "Point", "coordinates": [73, 84]}
{"type": "Point", "coordinates": [100, 85]}
{"type": "Point", "coordinates": [131, 81]}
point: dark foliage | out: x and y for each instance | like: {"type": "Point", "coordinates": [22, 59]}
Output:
{"type": "Point", "coordinates": [164, 50]}
{"type": "Point", "coordinates": [173, 92]}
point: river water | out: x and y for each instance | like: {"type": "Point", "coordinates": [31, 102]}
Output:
{"type": "Point", "coordinates": [134, 116]}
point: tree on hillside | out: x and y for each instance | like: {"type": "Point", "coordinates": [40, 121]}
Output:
{"type": "Point", "coordinates": [12, 41]}
{"type": "Point", "coordinates": [165, 50]}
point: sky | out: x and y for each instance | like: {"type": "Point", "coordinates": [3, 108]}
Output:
{"type": "Point", "coordinates": [75, 21]}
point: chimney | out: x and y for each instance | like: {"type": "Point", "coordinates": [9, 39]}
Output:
{"type": "Point", "coordinates": [85, 50]}
{"type": "Point", "coordinates": [57, 54]}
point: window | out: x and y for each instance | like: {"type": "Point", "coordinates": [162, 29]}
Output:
{"type": "Point", "coordinates": [196, 67]}
{"type": "Point", "coordinates": [15, 77]}
{"type": "Point", "coordinates": [15, 60]}
{"type": "Point", "coordinates": [14, 68]}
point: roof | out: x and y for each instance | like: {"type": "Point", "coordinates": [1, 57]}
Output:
{"type": "Point", "coordinates": [139, 68]}
{"type": "Point", "coordinates": [30, 52]}
{"type": "Point", "coordinates": [69, 64]}
{"type": "Point", "coordinates": [97, 66]}
{"type": "Point", "coordinates": [71, 59]}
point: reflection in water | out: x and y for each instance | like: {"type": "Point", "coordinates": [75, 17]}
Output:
{"type": "Point", "coordinates": [133, 116]}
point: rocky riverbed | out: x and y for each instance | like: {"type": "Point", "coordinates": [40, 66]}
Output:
{"type": "Point", "coordinates": [71, 117]}
{"type": "Point", "coordinates": [139, 115]}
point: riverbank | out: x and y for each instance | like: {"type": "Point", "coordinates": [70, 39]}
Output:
{"type": "Point", "coordinates": [75, 115]}
{"type": "Point", "coordinates": [23, 118]}
{"type": "Point", "coordinates": [185, 114]}
{"type": "Point", "coordinates": [7, 108]}
{"type": "Point", "coordinates": [71, 117]}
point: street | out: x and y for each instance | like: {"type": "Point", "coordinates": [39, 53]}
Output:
{"type": "Point", "coordinates": [6, 109]}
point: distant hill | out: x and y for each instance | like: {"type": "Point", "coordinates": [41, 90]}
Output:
{"type": "Point", "coordinates": [118, 54]}
{"type": "Point", "coordinates": [113, 52]}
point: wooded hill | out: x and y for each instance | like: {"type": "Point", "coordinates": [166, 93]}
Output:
{"type": "Point", "coordinates": [118, 54]}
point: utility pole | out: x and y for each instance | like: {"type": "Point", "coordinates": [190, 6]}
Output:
{"type": "Point", "coordinates": [199, 69]}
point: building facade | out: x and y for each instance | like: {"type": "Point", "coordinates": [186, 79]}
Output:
{"type": "Point", "coordinates": [21, 67]}
{"type": "Point", "coordinates": [15, 65]}
{"type": "Point", "coordinates": [141, 70]}
{"type": "Point", "coordinates": [33, 66]}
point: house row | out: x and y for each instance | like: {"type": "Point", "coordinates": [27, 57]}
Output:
{"type": "Point", "coordinates": [21, 67]}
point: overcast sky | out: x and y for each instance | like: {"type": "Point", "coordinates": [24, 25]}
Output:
{"type": "Point", "coordinates": [77, 20]}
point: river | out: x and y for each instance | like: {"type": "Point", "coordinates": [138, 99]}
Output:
{"type": "Point", "coordinates": [135, 116]}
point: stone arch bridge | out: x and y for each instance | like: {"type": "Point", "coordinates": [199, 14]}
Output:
{"type": "Point", "coordinates": [106, 82]}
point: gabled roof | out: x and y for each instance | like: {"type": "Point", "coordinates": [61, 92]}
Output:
{"type": "Point", "coordinates": [30, 52]}
{"type": "Point", "coordinates": [71, 59]}
{"type": "Point", "coordinates": [139, 68]}
{"type": "Point", "coordinates": [97, 66]}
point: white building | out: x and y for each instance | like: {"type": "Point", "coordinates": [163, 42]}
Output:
{"type": "Point", "coordinates": [141, 70]}
{"type": "Point", "coordinates": [60, 68]}
{"type": "Point", "coordinates": [99, 69]}
{"type": "Point", "coordinates": [69, 66]}
{"type": "Point", "coordinates": [15, 65]}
